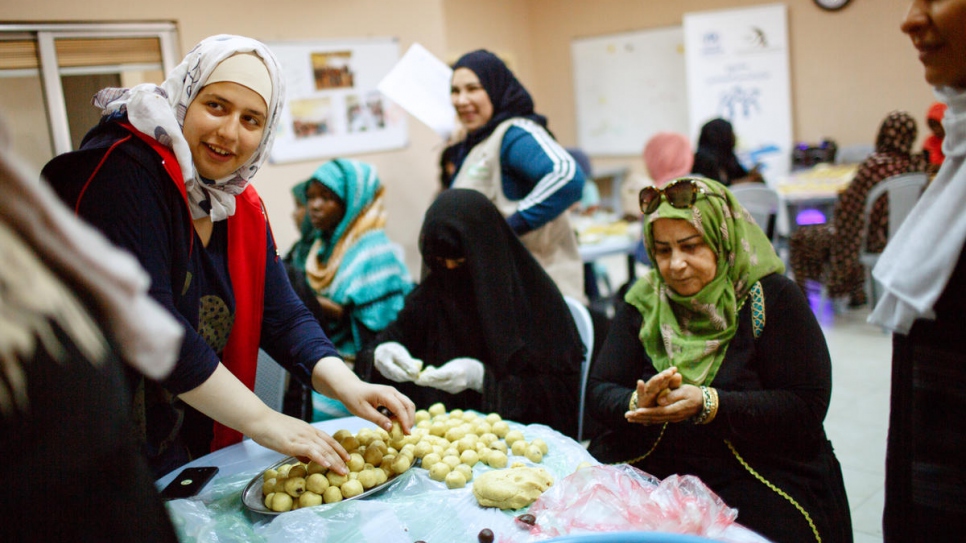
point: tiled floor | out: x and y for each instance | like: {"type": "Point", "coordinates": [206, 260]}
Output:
{"type": "Point", "coordinates": [857, 421]}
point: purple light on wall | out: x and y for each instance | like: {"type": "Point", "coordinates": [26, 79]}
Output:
{"type": "Point", "coordinates": [809, 216]}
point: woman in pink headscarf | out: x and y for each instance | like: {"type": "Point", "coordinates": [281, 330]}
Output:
{"type": "Point", "coordinates": [667, 156]}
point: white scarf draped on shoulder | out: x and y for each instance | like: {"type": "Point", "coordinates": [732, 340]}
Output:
{"type": "Point", "coordinates": [919, 260]}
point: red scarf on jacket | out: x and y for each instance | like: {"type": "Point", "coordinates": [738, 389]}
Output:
{"type": "Point", "coordinates": [247, 229]}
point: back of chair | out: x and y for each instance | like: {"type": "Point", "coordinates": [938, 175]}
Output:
{"type": "Point", "coordinates": [903, 192]}
{"type": "Point", "coordinates": [762, 202]}
{"type": "Point", "coordinates": [270, 381]}
{"type": "Point", "coordinates": [585, 327]}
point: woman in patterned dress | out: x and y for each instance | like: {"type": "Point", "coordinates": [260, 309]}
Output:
{"type": "Point", "coordinates": [830, 252]}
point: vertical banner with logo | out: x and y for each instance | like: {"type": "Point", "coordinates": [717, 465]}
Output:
{"type": "Point", "coordinates": [737, 69]}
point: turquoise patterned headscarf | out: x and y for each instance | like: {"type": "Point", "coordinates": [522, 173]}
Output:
{"type": "Point", "coordinates": [692, 333]}
{"type": "Point", "coordinates": [357, 266]}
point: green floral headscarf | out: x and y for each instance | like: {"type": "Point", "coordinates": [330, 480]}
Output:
{"type": "Point", "coordinates": [692, 333]}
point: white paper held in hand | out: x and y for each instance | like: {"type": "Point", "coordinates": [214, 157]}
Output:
{"type": "Point", "coordinates": [419, 83]}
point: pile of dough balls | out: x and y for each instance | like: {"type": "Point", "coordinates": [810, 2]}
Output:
{"type": "Point", "coordinates": [375, 457]}
{"type": "Point", "coordinates": [451, 444]}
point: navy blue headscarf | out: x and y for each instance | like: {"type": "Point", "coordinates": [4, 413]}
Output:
{"type": "Point", "coordinates": [509, 98]}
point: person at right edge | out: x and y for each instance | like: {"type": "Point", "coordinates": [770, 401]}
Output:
{"type": "Point", "coordinates": [923, 274]}
{"type": "Point", "coordinates": [716, 367]}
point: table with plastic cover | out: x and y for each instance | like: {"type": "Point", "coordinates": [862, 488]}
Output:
{"type": "Point", "coordinates": [415, 508]}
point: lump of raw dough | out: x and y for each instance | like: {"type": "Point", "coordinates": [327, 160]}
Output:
{"type": "Point", "coordinates": [512, 488]}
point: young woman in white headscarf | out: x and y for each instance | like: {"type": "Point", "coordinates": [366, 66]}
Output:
{"type": "Point", "coordinates": [165, 175]}
{"type": "Point", "coordinates": [923, 272]}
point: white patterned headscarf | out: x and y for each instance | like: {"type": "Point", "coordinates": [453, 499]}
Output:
{"type": "Point", "coordinates": [159, 112]}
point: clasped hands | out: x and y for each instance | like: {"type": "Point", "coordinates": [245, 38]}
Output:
{"type": "Point", "coordinates": [663, 398]}
{"type": "Point", "coordinates": [395, 363]}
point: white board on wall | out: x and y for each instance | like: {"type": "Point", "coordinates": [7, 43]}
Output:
{"type": "Point", "coordinates": [628, 87]}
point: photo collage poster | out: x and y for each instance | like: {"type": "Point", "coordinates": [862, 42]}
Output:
{"type": "Point", "coordinates": [332, 106]}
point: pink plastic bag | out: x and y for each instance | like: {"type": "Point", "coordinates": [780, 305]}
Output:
{"type": "Point", "coordinates": [608, 498]}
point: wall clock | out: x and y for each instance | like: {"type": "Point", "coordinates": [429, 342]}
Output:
{"type": "Point", "coordinates": [832, 5]}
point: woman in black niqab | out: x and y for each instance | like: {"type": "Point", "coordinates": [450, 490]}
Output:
{"type": "Point", "coordinates": [497, 306]}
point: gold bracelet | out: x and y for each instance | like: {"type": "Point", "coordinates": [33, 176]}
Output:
{"type": "Point", "coordinates": [714, 405]}
{"type": "Point", "coordinates": [632, 405]}
{"type": "Point", "coordinates": [709, 406]}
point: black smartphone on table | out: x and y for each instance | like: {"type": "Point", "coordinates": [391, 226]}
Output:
{"type": "Point", "coordinates": [188, 483]}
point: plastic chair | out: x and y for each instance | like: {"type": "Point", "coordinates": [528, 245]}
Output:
{"type": "Point", "coordinates": [629, 537]}
{"type": "Point", "coordinates": [903, 192]}
{"type": "Point", "coordinates": [585, 327]}
{"type": "Point", "coordinates": [270, 381]}
{"type": "Point", "coordinates": [854, 154]}
{"type": "Point", "coordinates": [763, 202]}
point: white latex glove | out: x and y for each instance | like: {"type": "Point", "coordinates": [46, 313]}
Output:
{"type": "Point", "coordinates": [395, 363]}
{"type": "Point", "coordinates": [454, 376]}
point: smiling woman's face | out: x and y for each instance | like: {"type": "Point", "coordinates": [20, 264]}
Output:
{"type": "Point", "coordinates": [224, 126]}
{"type": "Point", "coordinates": [470, 99]}
{"type": "Point", "coordinates": [938, 31]}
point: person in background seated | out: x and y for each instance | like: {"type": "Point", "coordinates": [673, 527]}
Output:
{"type": "Point", "coordinates": [933, 146]}
{"type": "Point", "coordinates": [351, 274]}
{"type": "Point", "coordinates": [589, 202]}
{"type": "Point", "coordinates": [716, 367]}
{"type": "Point", "coordinates": [715, 157]}
{"type": "Point", "coordinates": [73, 309]}
{"type": "Point", "coordinates": [923, 274]}
{"type": "Point", "coordinates": [165, 175]}
{"type": "Point", "coordinates": [486, 329]}
{"type": "Point", "coordinates": [667, 156]}
{"type": "Point", "coordinates": [509, 155]}
{"type": "Point", "coordinates": [829, 253]}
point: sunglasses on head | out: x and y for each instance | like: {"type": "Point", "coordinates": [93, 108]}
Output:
{"type": "Point", "coordinates": [680, 194]}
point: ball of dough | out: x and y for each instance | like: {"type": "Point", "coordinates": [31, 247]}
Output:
{"type": "Point", "coordinates": [373, 455]}
{"type": "Point", "coordinates": [401, 464]}
{"type": "Point", "coordinates": [496, 459]}
{"type": "Point", "coordinates": [439, 471]}
{"type": "Point", "coordinates": [456, 413]}
{"type": "Point", "coordinates": [519, 447]}
{"type": "Point", "coordinates": [500, 428]}
{"type": "Point", "coordinates": [295, 486]}
{"type": "Point", "coordinates": [381, 476]}
{"type": "Point", "coordinates": [431, 459]}
{"type": "Point", "coordinates": [499, 446]}
{"type": "Point", "coordinates": [316, 483]}
{"type": "Point", "coordinates": [421, 415]}
{"type": "Point", "coordinates": [368, 478]}
{"type": "Point", "coordinates": [268, 499]}
{"type": "Point", "coordinates": [332, 494]}
{"type": "Point", "coordinates": [315, 467]}
{"type": "Point", "coordinates": [455, 479]}
{"type": "Point", "coordinates": [470, 458]}
{"type": "Point", "coordinates": [437, 409]}
{"type": "Point", "coordinates": [269, 474]}
{"type": "Point", "coordinates": [310, 499]}
{"type": "Point", "coordinates": [351, 489]}
{"type": "Point", "coordinates": [283, 470]}
{"type": "Point", "coordinates": [455, 434]}
{"type": "Point", "coordinates": [453, 460]}
{"type": "Point", "coordinates": [466, 471]}
{"type": "Point", "coordinates": [350, 443]}
{"type": "Point", "coordinates": [493, 417]}
{"type": "Point", "coordinates": [298, 470]}
{"type": "Point", "coordinates": [339, 435]}
{"type": "Point", "coordinates": [356, 462]}
{"type": "Point", "coordinates": [540, 444]}
{"type": "Point", "coordinates": [512, 437]}
{"type": "Point", "coordinates": [534, 454]}
{"type": "Point", "coordinates": [335, 479]}
{"type": "Point", "coordinates": [422, 449]}
{"type": "Point", "coordinates": [281, 502]}
{"type": "Point", "coordinates": [268, 486]}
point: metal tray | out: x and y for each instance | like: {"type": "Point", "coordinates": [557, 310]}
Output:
{"type": "Point", "coordinates": [254, 501]}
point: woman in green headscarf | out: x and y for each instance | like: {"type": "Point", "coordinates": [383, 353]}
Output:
{"type": "Point", "coordinates": [715, 366]}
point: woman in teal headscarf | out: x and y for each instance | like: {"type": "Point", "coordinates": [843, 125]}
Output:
{"type": "Point", "coordinates": [351, 266]}
{"type": "Point", "coordinates": [715, 366]}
